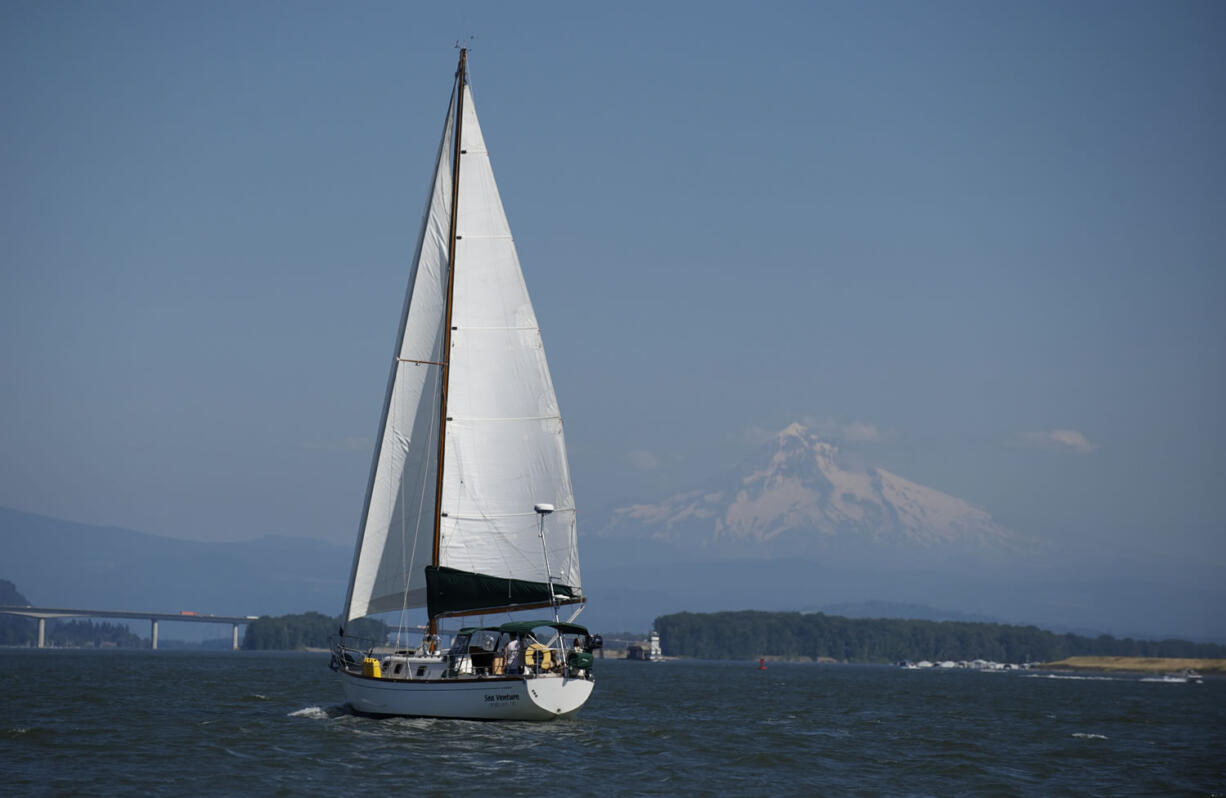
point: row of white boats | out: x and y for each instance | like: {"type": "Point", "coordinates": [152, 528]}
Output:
{"type": "Point", "coordinates": [1185, 676]}
{"type": "Point", "coordinates": [974, 665]}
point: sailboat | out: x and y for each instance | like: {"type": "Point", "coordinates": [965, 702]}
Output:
{"type": "Point", "coordinates": [469, 509]}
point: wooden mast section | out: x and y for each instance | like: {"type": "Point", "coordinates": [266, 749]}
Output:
{"type": "Point", "coordinates": [461, 79]}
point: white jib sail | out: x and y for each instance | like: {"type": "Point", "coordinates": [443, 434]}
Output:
{"type": "Point", "coordinates": [505, 450]}
{"type": "Point", "coordinates": [396, 539]}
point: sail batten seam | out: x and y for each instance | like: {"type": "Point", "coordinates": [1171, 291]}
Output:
{"type": "Point", "coordinates": [510, 418]}
{"type": "Point", "coordinates": [468, 329]}
{"type": "Point", "coordinates": [493, 516]}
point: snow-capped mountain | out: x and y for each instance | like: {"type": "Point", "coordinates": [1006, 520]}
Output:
{"type": "Point", "coordinates": [797, 496]}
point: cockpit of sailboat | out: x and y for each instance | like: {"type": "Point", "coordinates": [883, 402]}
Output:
{"type": "Point", "coordinates": [509, 650]}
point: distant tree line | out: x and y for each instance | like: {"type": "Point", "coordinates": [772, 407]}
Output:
{"type": "Point", "coordinates": [749, 634]}
{"type": "Point", "coordinates": [92, 634]}
{"type": "Point", "coordinates": [307, 630]}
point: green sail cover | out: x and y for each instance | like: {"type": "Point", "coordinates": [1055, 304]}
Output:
{"type": "Point", "coordinates": [449, 590]}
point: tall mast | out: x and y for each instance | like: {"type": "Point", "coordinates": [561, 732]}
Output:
{"type": "Point", "coordinates": [461, 79]}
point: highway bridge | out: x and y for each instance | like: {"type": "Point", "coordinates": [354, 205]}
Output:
{"type": "Point", "coordinates": [43, 613]}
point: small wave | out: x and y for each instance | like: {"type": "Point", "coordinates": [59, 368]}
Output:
{"type": "Point", "coordinates": [255, 697]}
{"type": "Point", "coordinates": [317, 713]}
{"type": "Point", "coordinates": [1089, 736]}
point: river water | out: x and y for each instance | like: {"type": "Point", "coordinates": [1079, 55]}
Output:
{"type": "Point", "coordinates": [177, 723]}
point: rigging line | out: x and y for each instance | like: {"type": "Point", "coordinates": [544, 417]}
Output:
{"type": "Point", "coordinates": [484, 329]}
{"type": "Point", "coordinates": [514, 418]}
{"type": "Point", "coordinates": [425, 477]}
{"type": "Point", "coordinates": [403, 566]}
{"type": "Point", "coordinates": [493, 516]}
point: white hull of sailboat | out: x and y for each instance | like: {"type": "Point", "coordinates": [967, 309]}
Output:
{"type": "Point", "coordinates": [541, 698]}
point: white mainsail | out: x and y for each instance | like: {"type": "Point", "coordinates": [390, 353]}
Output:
{"type": "Point", "coordinates": [504, 449]}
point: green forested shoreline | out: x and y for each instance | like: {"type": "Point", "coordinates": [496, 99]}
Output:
{"type": "Point", "coordinates": [751, 634]}
{"type": "Point", "coordinates": [306, 630]}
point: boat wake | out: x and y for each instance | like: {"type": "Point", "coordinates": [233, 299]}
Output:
{"type": "Point", "coordinates": [318, 713]}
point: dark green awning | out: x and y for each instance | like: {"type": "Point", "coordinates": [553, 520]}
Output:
{"type": "Point", "coordinates": [524, 627]}
{"type": "Point", "coordinates": [452, 591]}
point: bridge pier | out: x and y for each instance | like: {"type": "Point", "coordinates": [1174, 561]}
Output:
{"type": "Point", "coordinates": [42, 632]}
{"type": "Point", "coordinates": [153, 635]}
{"type": "Point", "coordinates": [234, 647]}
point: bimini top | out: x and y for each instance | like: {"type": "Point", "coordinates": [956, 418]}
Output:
{"type": "Point", "coordinates": [524, 627]}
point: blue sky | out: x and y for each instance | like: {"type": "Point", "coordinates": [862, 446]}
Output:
{"type": "Point", "coordinates": [982, 245]}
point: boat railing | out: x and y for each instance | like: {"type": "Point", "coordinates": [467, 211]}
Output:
{"type": "Point", "coordinates": [354, 655]}
{"type": "Point", "coordinates": [348, 653]}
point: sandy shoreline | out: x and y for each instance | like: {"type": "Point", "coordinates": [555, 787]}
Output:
{"type": "Point", "coordinates": [1138, 664]}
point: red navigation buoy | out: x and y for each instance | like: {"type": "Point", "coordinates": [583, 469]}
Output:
{"type": "Point", "coordinates": [762, 664]}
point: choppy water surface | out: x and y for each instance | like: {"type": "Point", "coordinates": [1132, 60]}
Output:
{"type": "Point", "coordinates": [175, 723]}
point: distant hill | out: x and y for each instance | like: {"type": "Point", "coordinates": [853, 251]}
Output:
{"type": "Point", "coordinates": [15, 630]}
{"type": "Point", "coordinates": [10, 595]}
{"type": "Point", "coordinates": [66, 564]}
